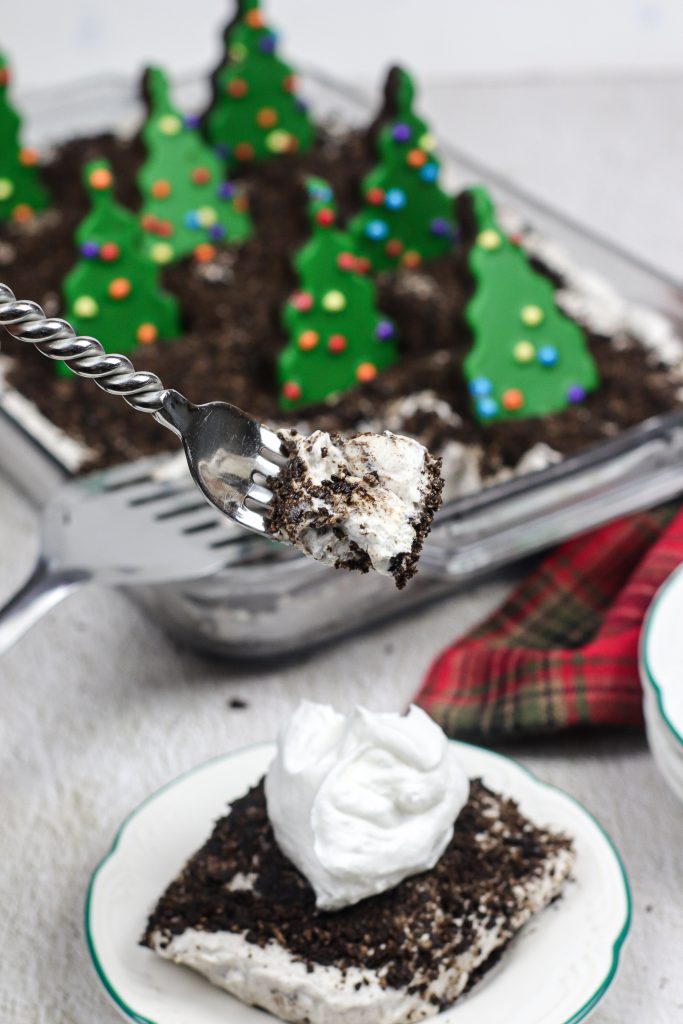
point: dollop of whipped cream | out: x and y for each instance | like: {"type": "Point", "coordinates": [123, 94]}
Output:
{"type": "Point", "coordinates": [359, 802]}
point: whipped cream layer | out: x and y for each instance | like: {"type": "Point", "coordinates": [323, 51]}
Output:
{"type": "Point", "coordinates": [362, 502]}
{"type": "Point", "coordinates": [360, 802]}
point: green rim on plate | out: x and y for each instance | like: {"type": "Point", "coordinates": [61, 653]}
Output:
{"type": "Point", "coordinates": [644, 645]}
{"type": "Point", "coordinates": [138, 1018]}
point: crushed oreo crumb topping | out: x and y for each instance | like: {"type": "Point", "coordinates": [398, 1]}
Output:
{"type": "Point", "coordinates": [411, 932]}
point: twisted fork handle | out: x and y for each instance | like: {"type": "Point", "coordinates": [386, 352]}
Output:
{"type": "Point", "coordinates": [56, 339]}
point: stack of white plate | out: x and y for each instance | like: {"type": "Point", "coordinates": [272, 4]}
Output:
{"type": "Point", "coordinates": [661, 670]}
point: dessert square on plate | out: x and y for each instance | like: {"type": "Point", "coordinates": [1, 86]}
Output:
{"type": "Point", "coordinates": [555, 971]}
{"type": "Point", "coordinates": [241, 914]}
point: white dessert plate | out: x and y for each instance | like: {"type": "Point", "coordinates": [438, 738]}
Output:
{"type": "Point", "coordinates": [554, 972]}
{"type": "Point", "coordinates": [661, 670]}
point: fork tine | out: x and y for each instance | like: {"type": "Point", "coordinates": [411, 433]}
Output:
{"type": "Point", "coordinates": [272, 443]}
{"type": "Point", "coordinates": [265, 467]}
{"type": "Point", "coordinates": [259, 495]}
{"type": "Point", "coordinates": [251, 520]}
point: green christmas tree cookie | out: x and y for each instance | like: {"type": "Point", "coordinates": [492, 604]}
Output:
{"type": "Point", "coordinates": [406, 218]}
{"type": "Point", "coordinates": [187, 206]}
{"type": "Point", "coordinates": [113, 292]}
{"type": "Point", "coordinates": [528, 358]}
{"type": "Point", "coordinates": [255, 114]}
{"type": "Point", "coordinates": [21, 191]}
{"type": "Point", "coordinates": [337, 336]}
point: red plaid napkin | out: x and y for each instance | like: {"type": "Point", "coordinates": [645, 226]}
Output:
{"type": "Point", "coordinates": [563, 649]}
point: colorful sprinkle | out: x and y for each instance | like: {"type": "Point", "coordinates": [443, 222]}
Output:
{"type": "Point", "coordinates": [201, 175]}
{"type": "Point", "coordinates": [109, 252]}
{"type": "Point", "coordinates": [217, 232]}
{"type": "Point", "coordinates": [375, 196]}
{"type": "Point", "coordinates": [480, 387]}
{"type": "Point", "coordinates": [429, 173]}
{"type": "Point", "coordinates": [385, 330]}
{"type": "Point", "coordinates": [291, 391]}
{"type": "Point", "coordinates": [575, 393]}
{"type": "Point", "coordinates": [401, 132]}
{"type": "Point", "coordinates": [440, 227]}
{"type": "Point", "coordinates": [237, 88]}
{"type": "Point", "coordinates": [279, 141]}
{"type": "Point", "coordinates": [513, 399]}
{"type": "Point", "coordinates": [100, 179]}
{"type": "Point", "coordinates": [337, 344]}
{"type": "Point", "coordinates": [161, 189]}
{"type": "Point", "coordinates": [394, 248]}
{"type": "Point", "coordinates": [254, 19]}
{"type": "Point", "coordinates": [244, 151]}
{"type": "Point", "coordinates": [333, 301]}
{"type": "Point", "coordinates": [267, 44]}
{"type": "Point", "coordinates": [321, 193]}
{"type": "Point", "coordinates": [226, 190]}
{"type": "Point", "coordinates": [489, 239]}
{"type": "Point", "coordinates": [120, 288]}
{"type": "Point", "coordinates": [161, 252]}
{"type": "Point", "coordinates": [238, 52]}
{"type": "Point", "coordinates": [411, 258]}
{"type": "Point", "coordinates": [427, 142]}
{"type": "Point", "coordinates": [376, 230]}
{"type": "Point", "coordinates": [170, 124]}
{"type": "Point", "coordinates": [524, 352]}
{"type": "Point", "coordinates": [6, 188]}
{"type": "Point", "coordinates": [28, 157]}
{"type": "Point", "coordinates": [532, 316]}
{"type": "Point", "coordinates": [86, 307]}
{"type": "Point", "coordinates": [146, 334]}
{"type": "Point", "coordinates": [266, 117]}
{"type": "Point", "coordinates": [308, 340]}
{"type": "Point", "coordinates": [22, 212]}
{"type": "Point", "coordinates": [416, 158]}
{"type": "Point", "coordinates": [302, 301]}
{"type": "Point", "coordinates": [487, 408]}
{"type": "Point", "coordinates": [204, 253]}
{"type": "Point", "coordinates": [325, 217]}
{"type": "Point", "coordinates": [395, 199]}
{"type": "Point", "coordinates": [346, 261]}
{"type": "Point", "coordinates": [366, 372]}
{"type": "Point", "coordinates": [90, 250]}
{"type": "Point", "coordinates": [192, 220]}
{"type": "Point", "coordinates": [548, 355]}
{"type": "Point", "coordinates": [207, 216]}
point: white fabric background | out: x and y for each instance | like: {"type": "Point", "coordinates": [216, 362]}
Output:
{"type": "Point", "coordinates": [98, 708]}
{"type": "Point", "coordinates": [485, 39]}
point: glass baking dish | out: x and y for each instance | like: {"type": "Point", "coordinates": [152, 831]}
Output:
{"type": "Point", "coordinates": [268, 601]}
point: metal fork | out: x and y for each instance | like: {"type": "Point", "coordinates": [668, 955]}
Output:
{"type": "Point", "coordinates": [231, 456]}
{"type": "Point", "coordinates": [142, 523]}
